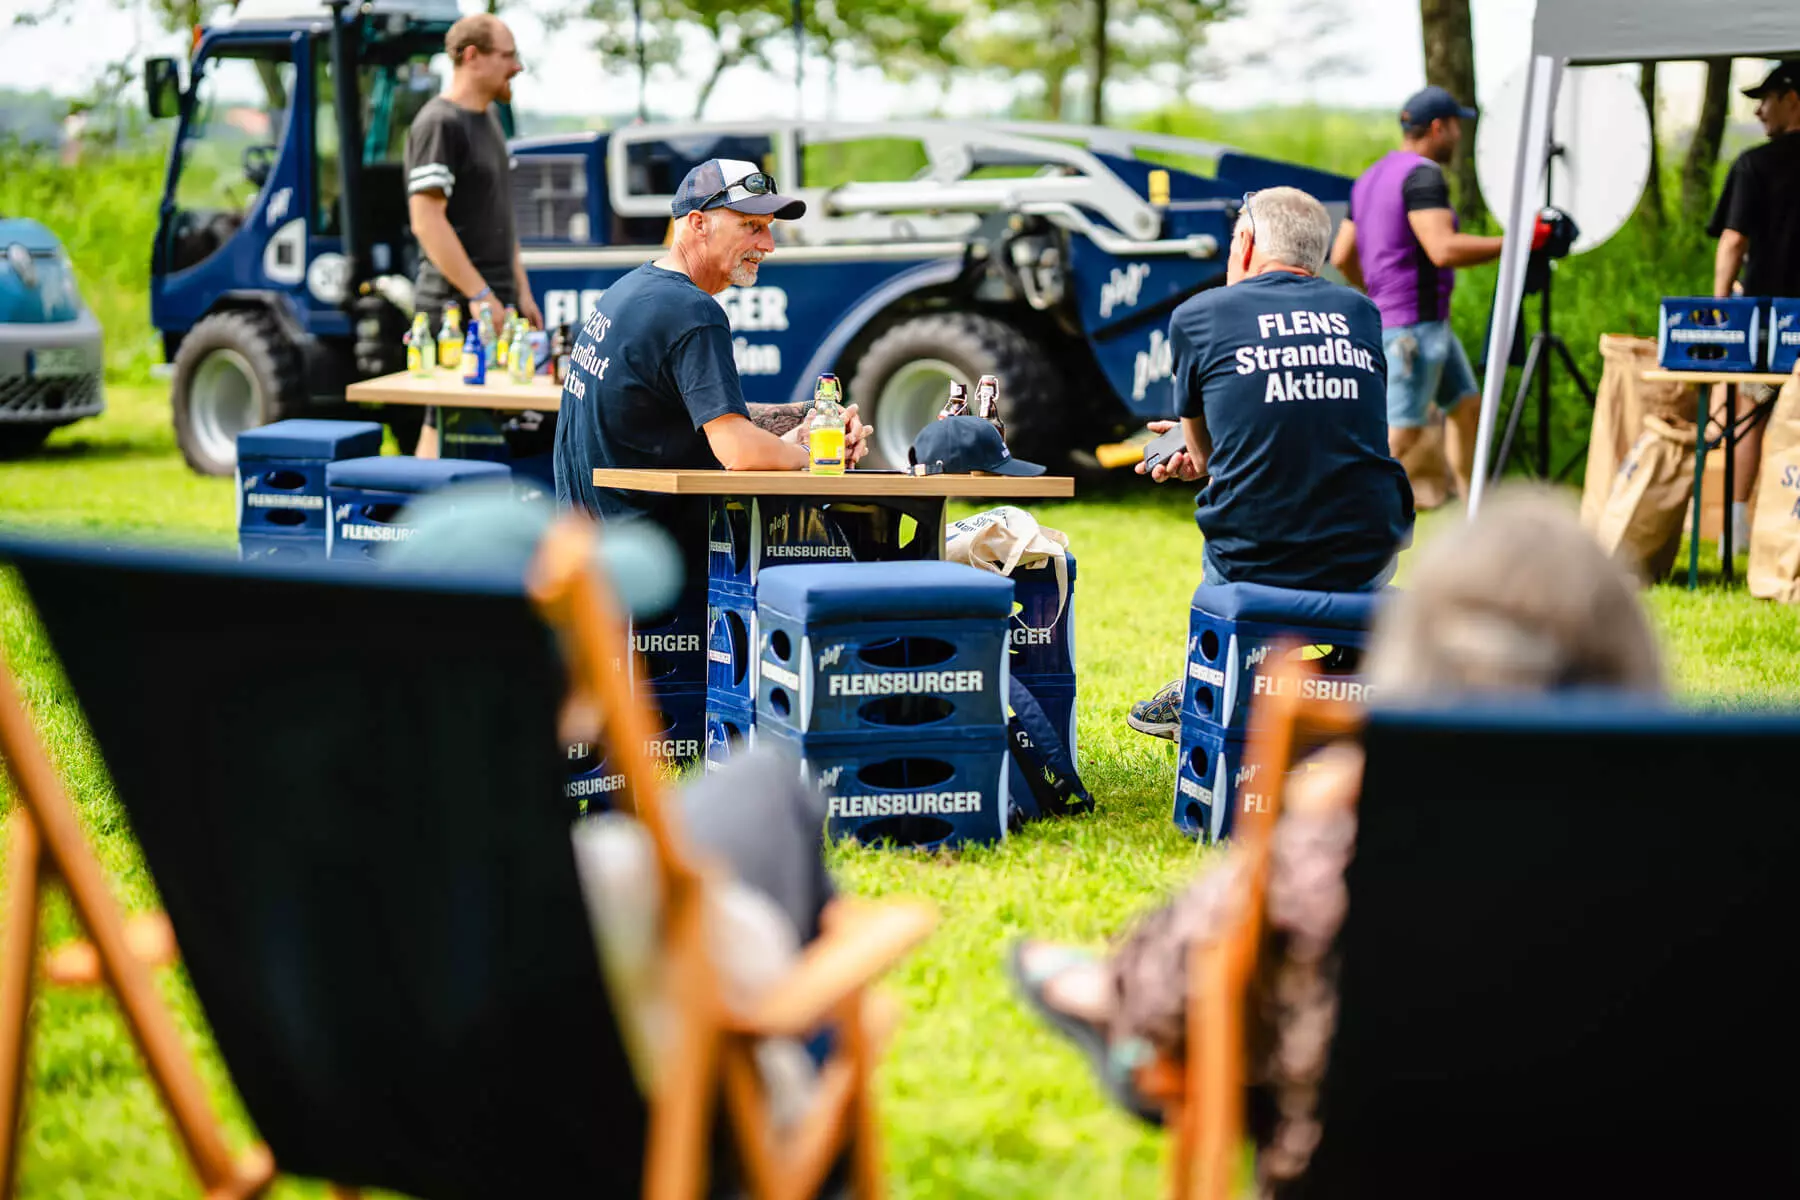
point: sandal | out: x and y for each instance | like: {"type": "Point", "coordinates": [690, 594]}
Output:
{"type": "Point", "coordinates": [1112, 1065]}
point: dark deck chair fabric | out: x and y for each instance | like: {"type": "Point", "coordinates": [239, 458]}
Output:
{"type": "Point", "coordinates": [1564, 958]}
{"type": "Point", "coordinates": [348, 791]}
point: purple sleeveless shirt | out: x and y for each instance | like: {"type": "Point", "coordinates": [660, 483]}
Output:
{"type": "Point", "coordinates": [1397, 273]}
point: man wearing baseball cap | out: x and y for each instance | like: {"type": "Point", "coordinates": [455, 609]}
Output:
{"type": "Point", "coordinates": [1400, 242]}
{"type": "Point", "coordinates": [652, 381]}
{"type": "Point", "coordinates": [1757, 222]}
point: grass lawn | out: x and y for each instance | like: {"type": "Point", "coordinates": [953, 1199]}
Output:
{"type": "Point", "coordinates": [977, 1099]}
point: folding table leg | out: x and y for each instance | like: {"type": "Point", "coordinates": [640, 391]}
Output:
{"type": "Point", "coordinates": [1728, 551]}
{"type": "Point", "coordinates": [1702, 392]}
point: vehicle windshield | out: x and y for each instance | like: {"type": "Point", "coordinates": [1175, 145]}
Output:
{"type": "Point", "coordinates": [393, 84]}
{"type": "Point", "coordinates": [236, 123]}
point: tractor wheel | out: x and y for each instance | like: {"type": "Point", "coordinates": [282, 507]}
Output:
{"type": "Point", "coordinates": [233, 372]}
{"type": "Point", "coordinates": [904, 377]}
{"type": "Point", "coordinates": [16, 441]}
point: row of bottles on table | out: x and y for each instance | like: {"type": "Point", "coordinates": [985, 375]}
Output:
{"type": "Point", "coordinates": [987, 402]}
{"type": "Point", "coordinates": [513, 354]}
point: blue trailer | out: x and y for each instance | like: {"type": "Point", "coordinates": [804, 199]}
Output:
{"type": "Point", "coordinates": [1047, 255]}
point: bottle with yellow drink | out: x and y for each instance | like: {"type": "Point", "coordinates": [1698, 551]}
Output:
{"type": "Point", "coordinates": [825, 428]}
{"type": "Point", "coordinates": [450, 338]}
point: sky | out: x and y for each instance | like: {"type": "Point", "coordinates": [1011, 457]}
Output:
{"type": "Point", "coordinates": [1381, 37]}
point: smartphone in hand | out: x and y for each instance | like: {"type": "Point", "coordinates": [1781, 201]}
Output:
{"type": "Point", "coordinates": [1165, 447]}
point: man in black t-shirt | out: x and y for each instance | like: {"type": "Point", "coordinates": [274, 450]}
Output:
{"type": "Point", "coordinates": [652, 378]}
{"type": "Point", "coordinates": [1281, 384]}
{"type": "Point", "coordinates": [1757, 222]}
{"type": "Point", "coordinates": [459, 198]}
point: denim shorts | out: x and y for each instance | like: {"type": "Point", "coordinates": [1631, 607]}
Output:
{"type": "Point", "coordinates": [1425, 363]}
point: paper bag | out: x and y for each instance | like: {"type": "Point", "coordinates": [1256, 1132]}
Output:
{"type": "Point", "coordinates": [1775, 524]}
{"type": "Point", "coordinates": [1641, 522]}
{"type": "Point", "coordinates": [1621, 403]}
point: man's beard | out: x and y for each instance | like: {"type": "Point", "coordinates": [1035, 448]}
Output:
{"type": "Point", "coordinates": [744, 274]}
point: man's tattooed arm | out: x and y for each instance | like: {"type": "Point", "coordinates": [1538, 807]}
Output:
{"type": "Point", "coordinates": [778, 418]}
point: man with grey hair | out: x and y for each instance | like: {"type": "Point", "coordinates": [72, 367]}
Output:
{"type": "Point", "coordinates": [1281, 386]}
{"type": "Point", "coordinates": [652, 378]}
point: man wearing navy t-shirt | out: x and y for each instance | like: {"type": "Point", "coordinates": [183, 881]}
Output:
{"type": "Point", "coordinates": [1281, 386]}
{"type": "Point", "coordinates": [652, 381]}
{"type": "Point", "coordinates": [1400, 242]}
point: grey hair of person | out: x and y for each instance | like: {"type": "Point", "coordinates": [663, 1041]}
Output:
{"type": "Point", "coordinates": [1291, 227]}
{"type": "Point", "coordinates": [1521, 599]}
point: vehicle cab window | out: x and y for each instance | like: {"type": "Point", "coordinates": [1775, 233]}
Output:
{"type": "Point", "coordinates": [237, 122]}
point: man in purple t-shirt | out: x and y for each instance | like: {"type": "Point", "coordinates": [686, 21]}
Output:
{"type": "Point", "coordinates": [1400, 243]}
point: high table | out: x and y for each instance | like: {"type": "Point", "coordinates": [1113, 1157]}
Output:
{"type": "Point", "coordinates": [1703, 382]}
{"type": "Point", "coordinates": [853, 486]}
{"type": "Point", "coordinates": [445, 389]}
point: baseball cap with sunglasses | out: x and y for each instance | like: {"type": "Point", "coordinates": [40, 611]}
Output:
{"type": "Point", "coordinates": [735, 184]}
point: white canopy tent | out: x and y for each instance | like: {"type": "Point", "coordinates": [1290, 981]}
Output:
{"type": "Point", "coordinates": [1569, 33]}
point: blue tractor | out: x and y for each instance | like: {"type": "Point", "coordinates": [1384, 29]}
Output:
{"type": "Point", "coordinates": [1049, 256]}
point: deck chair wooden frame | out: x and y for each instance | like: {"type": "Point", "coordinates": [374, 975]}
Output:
{"type": "Point", "coordinates": [1203, 1096]}
{"type": "Point", "coordinates": [713, 1059]}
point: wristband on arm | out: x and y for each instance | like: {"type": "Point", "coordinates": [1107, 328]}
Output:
{"type": "Point", "coordinates": [481, 295]}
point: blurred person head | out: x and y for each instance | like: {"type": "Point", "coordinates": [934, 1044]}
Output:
{"type": "Point", "coordinates": [1522, 599]}
{"type": "Point", "coordinates": [1431, 124]}
{"type": "Point", "coordinates": [1778, 99]}
{"type": "Point", "coordinates": [1278, 229]}
{"type": "Point", "coordinates": [485, 56]}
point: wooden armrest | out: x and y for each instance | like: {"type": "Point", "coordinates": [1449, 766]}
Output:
{"type": "Point", "coordinates": [858, 943]}
{"type": "Point", "coordinates": [149, 937]}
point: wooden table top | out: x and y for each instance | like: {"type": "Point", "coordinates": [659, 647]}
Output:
{"type": "Point", "coordinates": [688, 482]}
{"type": "Point", "coordinates": [447, 390]}
{"type": "Point", "coordinates": [1658, 375]}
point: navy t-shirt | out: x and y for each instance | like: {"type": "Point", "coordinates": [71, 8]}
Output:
{"type": "Point", "coordinates": [651, 365]}
{"type": "Point", "coordinates": [1288, 373]}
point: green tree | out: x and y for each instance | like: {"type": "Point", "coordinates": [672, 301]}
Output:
{"type": "Point", "coordinates": [1055, 43]}
{"type": "Point", "coordinates": [1450, 64]}
{"type": "Point", "coordinates": [902, 37]}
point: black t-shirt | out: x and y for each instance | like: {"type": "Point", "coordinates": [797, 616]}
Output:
{"type": "Point", "coordinates": [463, 155]}
{"type": "Point", "coordinates": [1289, 375]}
{"type": "Point", "coordinates": [651, 365]}
{"type": "Point", "coordinates": [1761, 200]}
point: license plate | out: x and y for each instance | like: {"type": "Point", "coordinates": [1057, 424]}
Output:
{"type": "Point", "coordinates": [60, 362]}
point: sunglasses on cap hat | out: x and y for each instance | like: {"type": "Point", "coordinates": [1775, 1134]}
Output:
{"type": "Point", "coordinates": [757, 183]}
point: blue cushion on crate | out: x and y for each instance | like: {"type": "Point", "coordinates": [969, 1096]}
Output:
{"type": "Point", "coordinates": [403, 473]}
{"type": "Point", "coordinates": [301, 438]}
{"type": "Point", "coordinates": [1288, 606]}
{"type": "Point", "coordinates": [884, 591]}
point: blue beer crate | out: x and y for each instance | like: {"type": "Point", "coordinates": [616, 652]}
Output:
{"type": "Point", "coordinates": [729, 728]}
{"type": "Point", "coordinates": [1215, 783]}
{"type": "Point", "coordinates": [914, 649]}
{"type": "Point", "coordinates": [1234, 637]}
{"type": "Point", "coordinates": [1784, 334]}
{"type": "Point", "coordinates": [472, 433]}
{"type": "Point", "coordinates": [1702, 333]}
{"type": "Point", "coordinates": [919, 792]}
{"type": "Point", "coordinates": [672, 651]}
{"type": "Point", "coordinates": [281, 473]}
{"type": "Point", "coordinates": [679, 738]}
{"type": "Point", "coordinates": [286, 548]}
{"type": "Point", "coordinates": [745, 535]}
{"type": "Point", "coordinates": [1043, 621]}
{"type": "Point", "coordinates": [368, 498]}
{"type": "Point", "coordinates": [731, 646]}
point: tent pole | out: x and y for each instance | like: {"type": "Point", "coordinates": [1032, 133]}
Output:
{"type": "Point", "coordinates": [1534, 136]}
